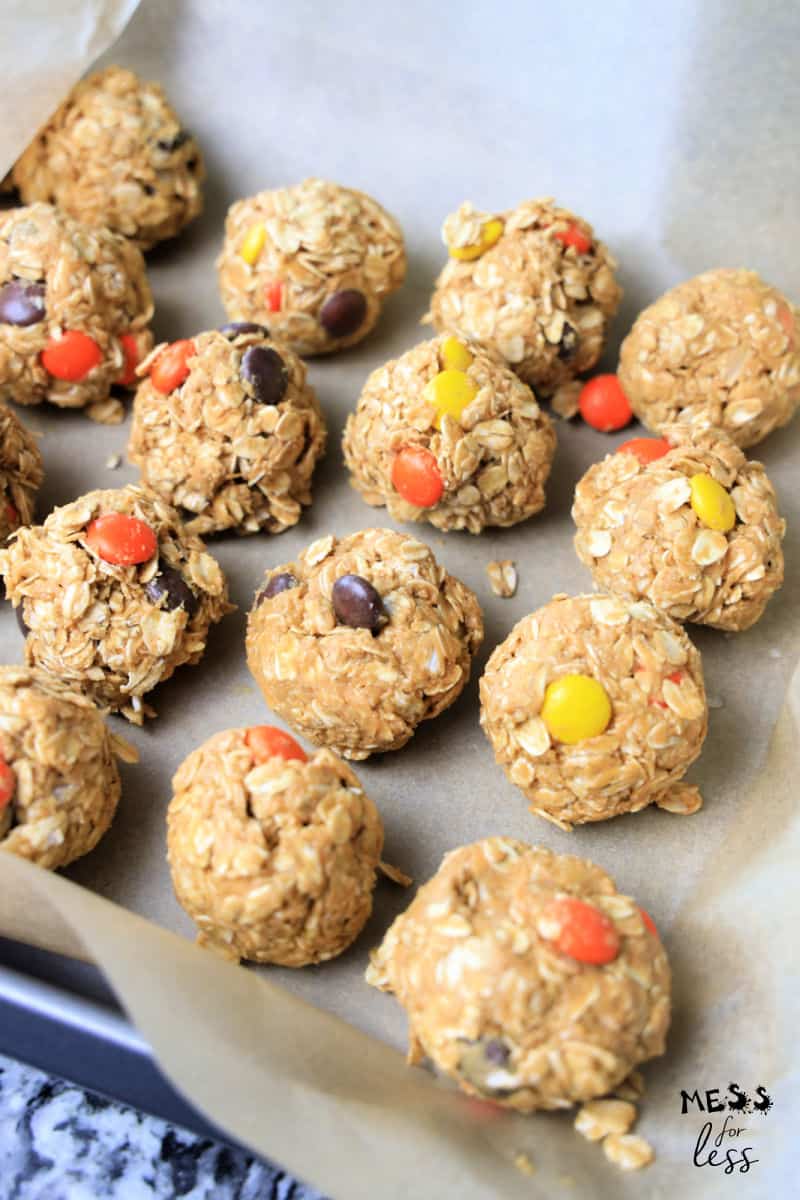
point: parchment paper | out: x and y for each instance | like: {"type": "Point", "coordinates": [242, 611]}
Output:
{"type": "Point", "coordinates": [423, 106]}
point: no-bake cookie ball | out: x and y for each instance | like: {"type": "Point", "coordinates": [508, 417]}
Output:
{"type": "Point", "coordinates": [59, 784]}
{"type": "Point", "coordinates": [527, 976]}
{"type": "Point", "coordinates": [115, 154]}
{"type": "Point", "coordinates": [114, 594]}
{"type": "Point", "coordinates": [448, 434]}
{"type": "Point", "coordinates": [595, 706]}
{"type": "Point", "coordinates": [314, 263]}
{"type": "Point", "coordinates": [686, 522]}
{"type": "Point", "coordinates": [272, 854]}
{"type": "Point", "coordinates": [533, 283]}
{"type": "Point", "coordinates": [226, 427]}
{"type": "Point", "coordinates": [360, 639]}
{"type": "Point", "coordinates": [21, 473]}
{"type": "Point", "coordinates": [720, 350]}
{"type": "Point", "coordinates": [75, 307]}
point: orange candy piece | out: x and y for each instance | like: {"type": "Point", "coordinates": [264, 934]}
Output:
{"type": "Point", "coordinates": [267, 741]}
{"type": "Point", "coordinates": [130, 350]}
{"type": "Point", "coordinates": [71, 356]}
{"type": "Point", "coordinates": [604, 405]}
{"type": "Point", "coordinates": [8, 783]}
{"type": "Point", "coordinates": [581, 931]}
{"type": "Point", "coordinates": [649, 922]}
{"type": "Point", "coordinates": [125, 541]}
{"type": "Point", "coordinates": [573, 235]}
{"type": "Point", "coordinates": [273, 294]}
{"type": "Point", "coordinates": [416, 477]}
{"type": "Point", "coordinates": [647, 450]}
{"type": "Point", "coordinates": [172, 366]}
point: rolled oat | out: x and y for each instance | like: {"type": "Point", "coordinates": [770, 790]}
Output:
{"type": "Point", "coordinates": [656, 721]}
{"type": "Point", "coordinates": [492, 458]}
{"type": "Point", "coordinates": [313, 262]}
{"type": "Point", "coordinates": [62, 758]}
{"type": "Point", "coordinates": [362, 688]}
{"type": "Point", "coordinates": [721, 350]}
{"type": "Point", "coordinates": [541, 292]}
{"type": "Point", "coordinates": [237, 443]}
{"type": "Point", "coordinates": [111, 630]}
{"type": "Point", "coordinates": [640, 535]}
{"type": "Point", "coordinates": [21, 473]}
{"type": "Point", "coordinates": [75, 307]}
{"type": "Point", "coordinates": [275, 860]}
{"type": "Point", "coordinates": [115, 154]}
{"type": "Point", "coordinates": [501, 1007]}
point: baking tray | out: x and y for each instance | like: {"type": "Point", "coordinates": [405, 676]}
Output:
{"type": "Point", "coordinates": [59, 1015]}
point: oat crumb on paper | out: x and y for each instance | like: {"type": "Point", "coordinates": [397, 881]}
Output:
{"type": "Point", "coordinates": [113, 462]}
{"type": "Point", "coordinates": [628, 1151]}
{"type": "Point", "coordinates": [395, 874]}
{"type": "Point", "coordinates": [502, 577]}
{"type": "Point", "coordinates": [631, 1088]}
{"type": "Point", "coordinates": [682, 799]}
{"type": "Point", "coordinates": [599, 1118]}
{"type": "Point", "coordinates": [523, 1163]}
{"type": "Point", "coordinates": [564, 401]}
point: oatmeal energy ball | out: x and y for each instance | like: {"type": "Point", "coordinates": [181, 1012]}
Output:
{"type": "Point", "coordinates": [595, 706]}
{"type": "Point", "coordinates": [273, 854]}
{"type": "Point", "coordinates": [527, 976]}
{"type": "Point", "coordinates": [448, 434]}
{"type": "Point", "coordinates": [533, 283]}
{"type": "Point", "coordinates": [359, 640]}
{"type": "Point", "coordinates": [113, 595]}
{"type": "Point", "coordinates": [313, 262]}
{"type": "Point", "coordinates": [21, 473]}
{"type": "Point", "coordinates": [686, 522]}
{"type": "Point", "coordinates": [115, 154]}
{"type": "Point", "coordinates": [74, 309]}
{"type": "Point", "coordinates": [721, 350]}
{"type": "Point", "coordinates": [226, 427]}
{"type": "Point", "coordinates": [59, 783]}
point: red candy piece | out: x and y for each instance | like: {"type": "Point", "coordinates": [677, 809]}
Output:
{"type": "Point", "coordinates": [647, 450]}
{"type": "Point", "coordinates": [266, 742]}
{"type": "Point", "coordinates": [172, 366]}
{"type": "Point", "coordinates": [273, 294]}
{"type": "Point", "coordinates": [649, 922]}
{"type": "Point", "coordinates": [122, 540]}
{"type": "Point", "coordinates": [574, 236]}
{"type": "Point", "coordinates": [71, 356]}
{"type": "Point", "coordinates": [416, 477]}
{"type": "Point", "coordinates": [12, 516]}
{"type": "Point", "coordinates": [8, 783]}
{"type": "Point", "coordinates": [604, 405]}
{"type": "Point", "coordinates": [787, 321]}
{"type": "Point", "coordinates": [131, 351]}
{"type": "Point", "coordinates": [674, 677]}
{"type": "Point", "coordinates": [583, 932]}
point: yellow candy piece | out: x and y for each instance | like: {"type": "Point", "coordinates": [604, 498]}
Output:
{"type": "Point", "coordinates": [491, 232]}
{"type": "Point", "coordinates": [450, 392]}
{"type": "Point", "coordinates": [454, 355]}
{"type": "Point", "coordinates": [253, 243]}
{"type": "Point", "coordinates": [712, 503]}
{"type": "Point", "coordinates": [575, 707]}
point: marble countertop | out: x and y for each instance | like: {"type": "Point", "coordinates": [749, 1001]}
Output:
{"type": "Point", "coordinates": [58, 1142]}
